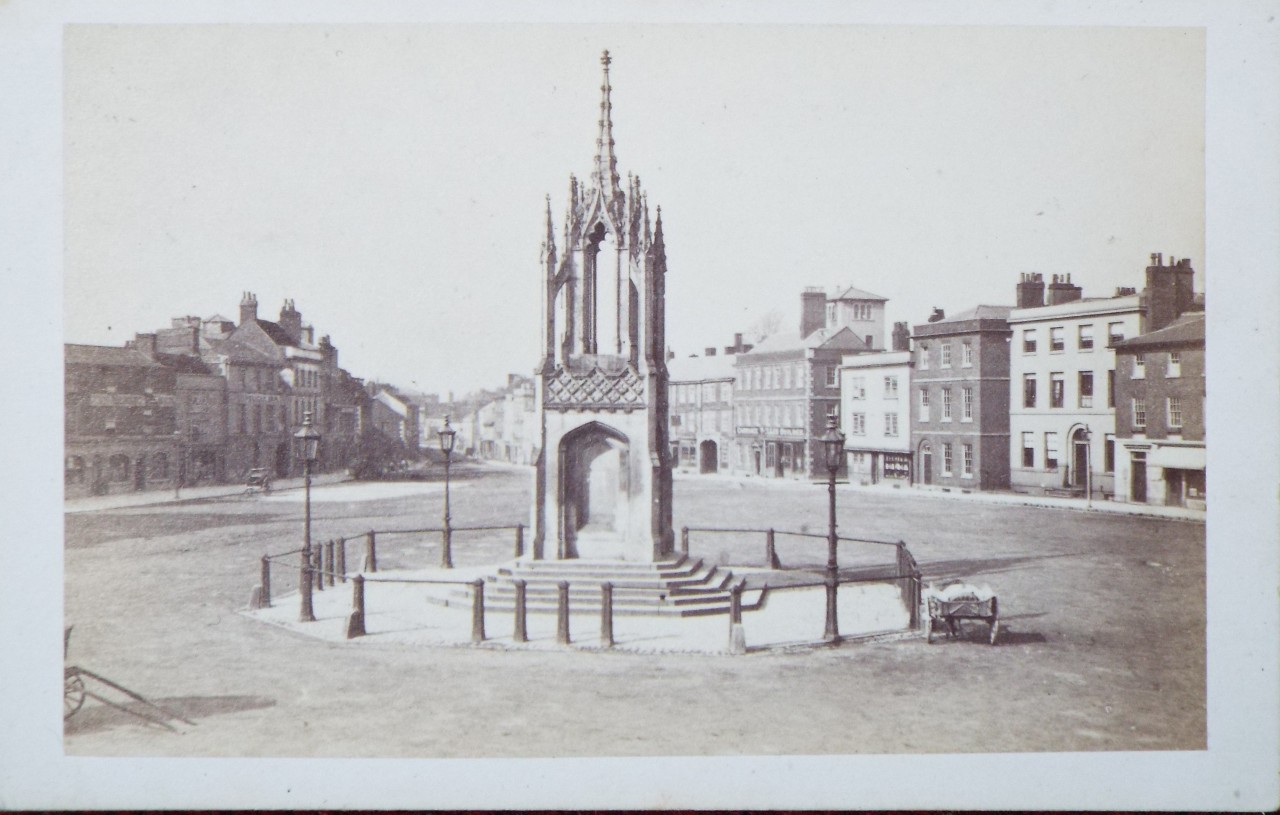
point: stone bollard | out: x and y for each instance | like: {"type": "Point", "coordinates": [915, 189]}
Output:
{"type": "Point", "coordinates": [606, 614]}
{"type": "Point", "coordinates": [519, 540]}
{"type": "Point", "coordinates": [522, 631]}
{"type": "Point", "coordinates": [266, 582]}
{"type": "Point", "coordinates": [477, 610]}
{"type": "Point", "coordinates": [342, 559]}
{"type": "Point", "coordinates": [333, 563]}
{"type": "Point", "coordinates": [355, 623]}
{"type": "Point", "coordinates": [736, 633]}
{"type": "Point", "coordinates": [562, 613]}
{"type": "Point", "coordinates": [370, 552]}
{"type": "Point", "coordinates": [684, 539]}
{"type": "Point", "coordinates": [770, 552]}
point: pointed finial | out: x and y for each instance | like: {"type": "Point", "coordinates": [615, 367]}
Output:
{"type": "Point", "coordinates": [605, 174]}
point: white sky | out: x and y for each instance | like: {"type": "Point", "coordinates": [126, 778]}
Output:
{"type": "Point", "coordinates": [391, 180]}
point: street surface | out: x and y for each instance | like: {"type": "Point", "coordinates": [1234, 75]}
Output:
{"type": "Point", "coordinates": [1102, 648]}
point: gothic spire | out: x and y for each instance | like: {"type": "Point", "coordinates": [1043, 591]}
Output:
{"type": "Point", "coordinates": [605, 174]}
{"type": "Point", "coordinates": [549, 248]}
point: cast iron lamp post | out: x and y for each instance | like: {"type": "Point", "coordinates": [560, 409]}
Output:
{"type": "Point", "coordinates": [308, 439]}
{"type": "Point", "coordinates": [833, 447]}
{"type": "Point", "coordinates": [447, 434]}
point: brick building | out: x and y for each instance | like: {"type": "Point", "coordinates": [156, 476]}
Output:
{"type": "Point", "coordinates": [785, 389]}
{"type": "Point", "coordinates": [120, 418]}
{"type": "Point", "coordinates": [1160, 390]}
{"type": "Point", "coordinates": [959, 418]}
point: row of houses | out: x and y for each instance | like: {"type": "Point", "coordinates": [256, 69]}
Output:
{"type": "Point", "coordinates": [207, 399]}
{"type": "Point", "coordinates": [1057, 393]}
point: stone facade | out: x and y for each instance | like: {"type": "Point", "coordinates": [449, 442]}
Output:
{"type": "Point", "coordinates": [603, 478]}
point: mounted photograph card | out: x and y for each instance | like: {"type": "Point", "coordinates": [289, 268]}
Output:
{"type": "Point", "coordinates": [787, 409]}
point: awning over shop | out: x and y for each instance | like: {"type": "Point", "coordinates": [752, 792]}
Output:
{"type": "Point", "coordinates": [1178, 458]}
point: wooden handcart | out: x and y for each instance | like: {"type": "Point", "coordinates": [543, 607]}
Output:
{"type": "Point", "coordinates": [948, 614]}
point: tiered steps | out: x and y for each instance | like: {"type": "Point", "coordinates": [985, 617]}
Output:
{"type": "Point", "coordinates": [678, 587]}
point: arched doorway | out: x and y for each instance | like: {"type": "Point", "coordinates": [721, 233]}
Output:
{"type": "Point", "coordinates": [595, 492]}
{"type": "Point", "coordinates": [926, 463]}
{"type": "Point", "coordinates": [1079, 458]}
{"type": "Point", "coordinates": [708, 457]}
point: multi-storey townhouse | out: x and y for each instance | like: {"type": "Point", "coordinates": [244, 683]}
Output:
{"type": "Point", "coordinates": [1062, 420]}
{"type": "Point", "coordinates": [701, 412]}
{"type": "Point", "coordinates": [875, 397]}
{"type": "Point", "coordinates": [1160, 390]}
{"type": "Point", "coordinates": [960, 389]}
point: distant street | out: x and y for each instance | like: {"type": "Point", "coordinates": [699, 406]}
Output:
{"type": "Point", "coordinates": [1103, 646]}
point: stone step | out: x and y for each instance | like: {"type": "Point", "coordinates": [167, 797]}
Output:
{"type": "Point", "coordinates": [681, 563]}
{"type": "Point", "coordinates": [711, 578]}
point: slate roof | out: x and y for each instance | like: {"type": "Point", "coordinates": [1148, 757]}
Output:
{"type": "Point", "coordinates": [697, 369]}
{"type": "Point", "coordinates": [790, 341]}
{"type": "Point", "coordinates": [851, 293]}
{"type": "Point", "coordinates": [1186, 330]}
{"type": "Point", "coordinates": [106, 355]}
{"type": "Point", "coordinates": [979, 313]}
{"type": "Point", "coordinates": [277, 334]}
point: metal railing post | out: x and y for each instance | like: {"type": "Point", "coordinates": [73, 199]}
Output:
{"type": "Point", "coordinates": [318, 566]}
{"type": "Point", "coordinates": [477, 610]}
{"type": "Point", "coordinates": [342, 559]}
{"type": "Point", "coordinates": [370, 552]}
{"type": "Point", "coordinates": [770, 551]}
{"type": "Point", "coordinates": [737, 637]}
{"type": "Point", "coordinates": [266, 582]}
{"type": "Point", "coordinates": [355, 624]}
{"type": "Point", "coordinates": [521, 632]}
{"type": "Point", "coordinates": [329, 549]}
{"type": "Point", "coordinates": [519, 540]}
{"type": "Point", "coordinates": [562, 613]}
{"type": "Point", "coordinates": [606, 614]}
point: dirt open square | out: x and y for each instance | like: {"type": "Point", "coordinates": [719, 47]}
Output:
{"type": "Point", "coordinates": [1102, 648]}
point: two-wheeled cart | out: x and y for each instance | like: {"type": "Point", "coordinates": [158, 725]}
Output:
{"type": "Point", "coordinates": [948, 614]}
{"type": "Point", "coordinates": [81, 683]}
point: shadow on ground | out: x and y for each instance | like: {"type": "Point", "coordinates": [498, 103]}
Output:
{"type": "Point", "coordinates": [965, 568]}
{"type": "Point", "coordinates": [93, 718]}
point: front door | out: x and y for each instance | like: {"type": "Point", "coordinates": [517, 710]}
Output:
{"type": "Point", "coordinates": [1138, 478]}
{"type": "Point", "coordinates": [1080, 464]}
{"type": "Point", "coordinates": [926, 466]}
{"type": "Point", "coordinates": [140, 473]}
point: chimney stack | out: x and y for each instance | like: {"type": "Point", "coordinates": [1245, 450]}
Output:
{"type": "Point", "coordinates": [709, 351]}
{"type": "Point", "coordinates": [1169, 290]}
{"type": "Point", "coordinates": [248, 308]}
{"type": "Point", "coordinates": [291, 322]}
{"type": "Point", "coordinates": [901, 337]}
{"type": "Point", "coordinates": [1030, 290]}
{"type": "Point", "coordinates": [146, 343]}
{"type": "Point", "coordinates": [1061, 290]}
{"type": "Point", "coordinates": [938, 314]}
{"type": "Point", "coordinates": [813, 310]}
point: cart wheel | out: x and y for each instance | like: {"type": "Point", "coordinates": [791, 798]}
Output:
{"type": "Point", "coordinates": [995, 631]}
{"type": "Point", "coordinates": [72, 696]}
{"type": "Point", "coordinates": [928, 630]}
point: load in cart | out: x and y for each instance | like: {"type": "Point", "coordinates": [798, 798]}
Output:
{"type": "Point", "coordinates": [952, 604]}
